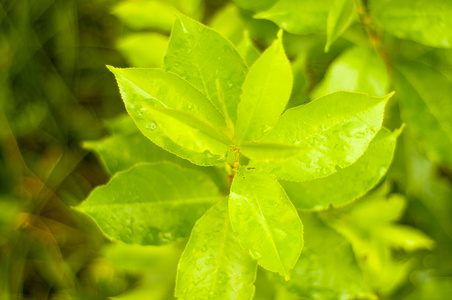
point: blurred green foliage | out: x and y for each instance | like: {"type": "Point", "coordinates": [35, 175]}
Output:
{"type": "Point", "coordinates": [58, 101]}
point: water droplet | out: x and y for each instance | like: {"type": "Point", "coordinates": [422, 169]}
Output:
{"type": "Point", "coordinates": [151, 126]}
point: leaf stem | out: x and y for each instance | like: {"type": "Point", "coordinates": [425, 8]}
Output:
{"type": "Point", "coordinates": [373, 33]}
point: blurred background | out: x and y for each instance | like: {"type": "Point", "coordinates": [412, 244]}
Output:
{"type": "Point", "coordinates": [56, 95]}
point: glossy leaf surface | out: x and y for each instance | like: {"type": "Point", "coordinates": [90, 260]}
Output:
{"type": "Point", "coordinates": [354, 181]}
{"type": "Point", "coordinates": [151, 204]}
{"type": "Point", "coordinates": [340, 17]}
{"type": "Point", "coordinates": [265, 220]}
{"type": "Point", "coordinates": [271, 152]}
{"type": "Point", "coordinates": [425, 21]}
{"type": "Point", "coordinates": [425, 96]}
{"type": "Point", "coordinates": [214, 265]}
{"type": "Point", "coordinates": [265, 93]}
{"type": "Point", "coordinates": [327, 268]}
{"type": "Point", "coordinates": [299, 17]}
{"type": "Point", "coordinates": [338, 128]}
{"type": "Point", "coordinates": [356, 70]}
{"type": "Point", "coordinates": [173, 114]}
{"type": "Point", "coordinates": [209, 62]}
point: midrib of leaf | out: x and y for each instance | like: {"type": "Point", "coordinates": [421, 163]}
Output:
{"type": "Point", "coordinates": [160, 202]}
{"type": "Point", "coordinates": [264, 222]}
{"type": "Point", "coordinates": [220, 254]}
{"type": "Point", "coordinates": [193, 122]}
{"type": "Point", "coordinates": [255, 106]}
{"type": "Point", "coordinates": [225, 113]}
{"type": "Point", "coordinates": [437, 118]}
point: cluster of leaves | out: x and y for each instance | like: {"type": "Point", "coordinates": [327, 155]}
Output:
{"type": "Point", "coordinates": [219, 112]}
{"type": "Point", "coordinates": [248, 163]}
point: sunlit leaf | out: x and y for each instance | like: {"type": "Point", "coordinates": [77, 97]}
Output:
{"type": "Point", "coordinates": [145, 14]}
{"type": "Point", "coordinates": [289, 13]}
{"type": "Point", "coordinates": [265, 220]}
{"type": "Point", "coordinates": [151, 204]}
{"type": "Point", "coordinates": [247, 50]}
{"type": "Point", "coordinates": [356, 70]}
{"type": "Point", "coordinates": [209, 62]}
{"type": "Point", "coordinates": [144, 49]}
{"type": "Point", "coordinates": [340, 17]}
{"type": "Point", "coordinates": [271, 152]}
{"type": "Point", "coordinates": [354, 181]}
{"type": "Point", "coordinates": [214, 265]}
{"type": "Point", "coordinates": [404, 237]}
{"type": "Point", "coordinates": [265, 93]}
{"type": "Point", "coordinates": [425, 21]}
{"type": "Point", "coordinates": [425, 97]}
{"type": "Point", "coordinates": [173, 114]}
{"type": "Point", "coordinates": [338, 128]}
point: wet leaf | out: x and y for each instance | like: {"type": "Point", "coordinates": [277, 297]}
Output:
{"type": "Point", "coordinates": [213, 264]}
{"type": "Point", "coordinates": [209, 62]}
{"type": "Point", "coordinates": [271, 152]}
{"type": "Point", "coordinates": [265, 220]}
{"type": "Point", "coordinates": [173, 114]}
{"type": "Point", "coordinates": [265, 93]}
{"type": "Point", "coordinates": [354, 181]}
{"type": "Point", "coordinates": [338, 128]}
{"type": "Point", "coordinates": [151, 204]}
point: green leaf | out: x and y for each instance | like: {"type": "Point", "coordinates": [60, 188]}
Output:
{"type": "Point", "coordinates": [265, 93]}
{"type": "Point", "coordinates": [173, 114]}
{"type": "Point", "coordinates": [404, 237]}
{"type": "Point", "coordinates": [425, 96]}
{"type": "Point", "coordinates": [214, 265]}
{"type": "Point", "coordinates": [425, 21]}
{"type": "Point", "coordinates": [338, 128]}
{"type": "Point", "coordinates": [356, 70]}
{"type": "Point", "coordinates": [327, 268]}
{"type": "Point", "coordinates": [265, 220]}
{"type": "Point", "coordinates": [144, 49]}
{"type": "Point", "coordinates": [255, 5]}
{"type": "Point", "coordinates": [209, 62]}
{"type": "Point", "coordinates": [247, 49]}
{"type": "Point", "coordinates": [288, 13]}
{"type": "Point", "coordinates": [120, 152]}
{"type": "Point", "coordinates": [271, 152]}
{"type": "Point", "coordinates": [340, 17]}
{"type": "Point", "coordinates": [151, 204]}
{"type": "Point", "coordinates": [349, 183]}
{"type": "Point", "coordinates": [145, 15]}
{"type": "Point", "coordinates": [229, 22]}
{"type": "Point", "coordinates": [376, 211]}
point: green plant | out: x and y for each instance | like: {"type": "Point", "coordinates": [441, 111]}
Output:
{"type": "Point", "coordinates": [257, 159]}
